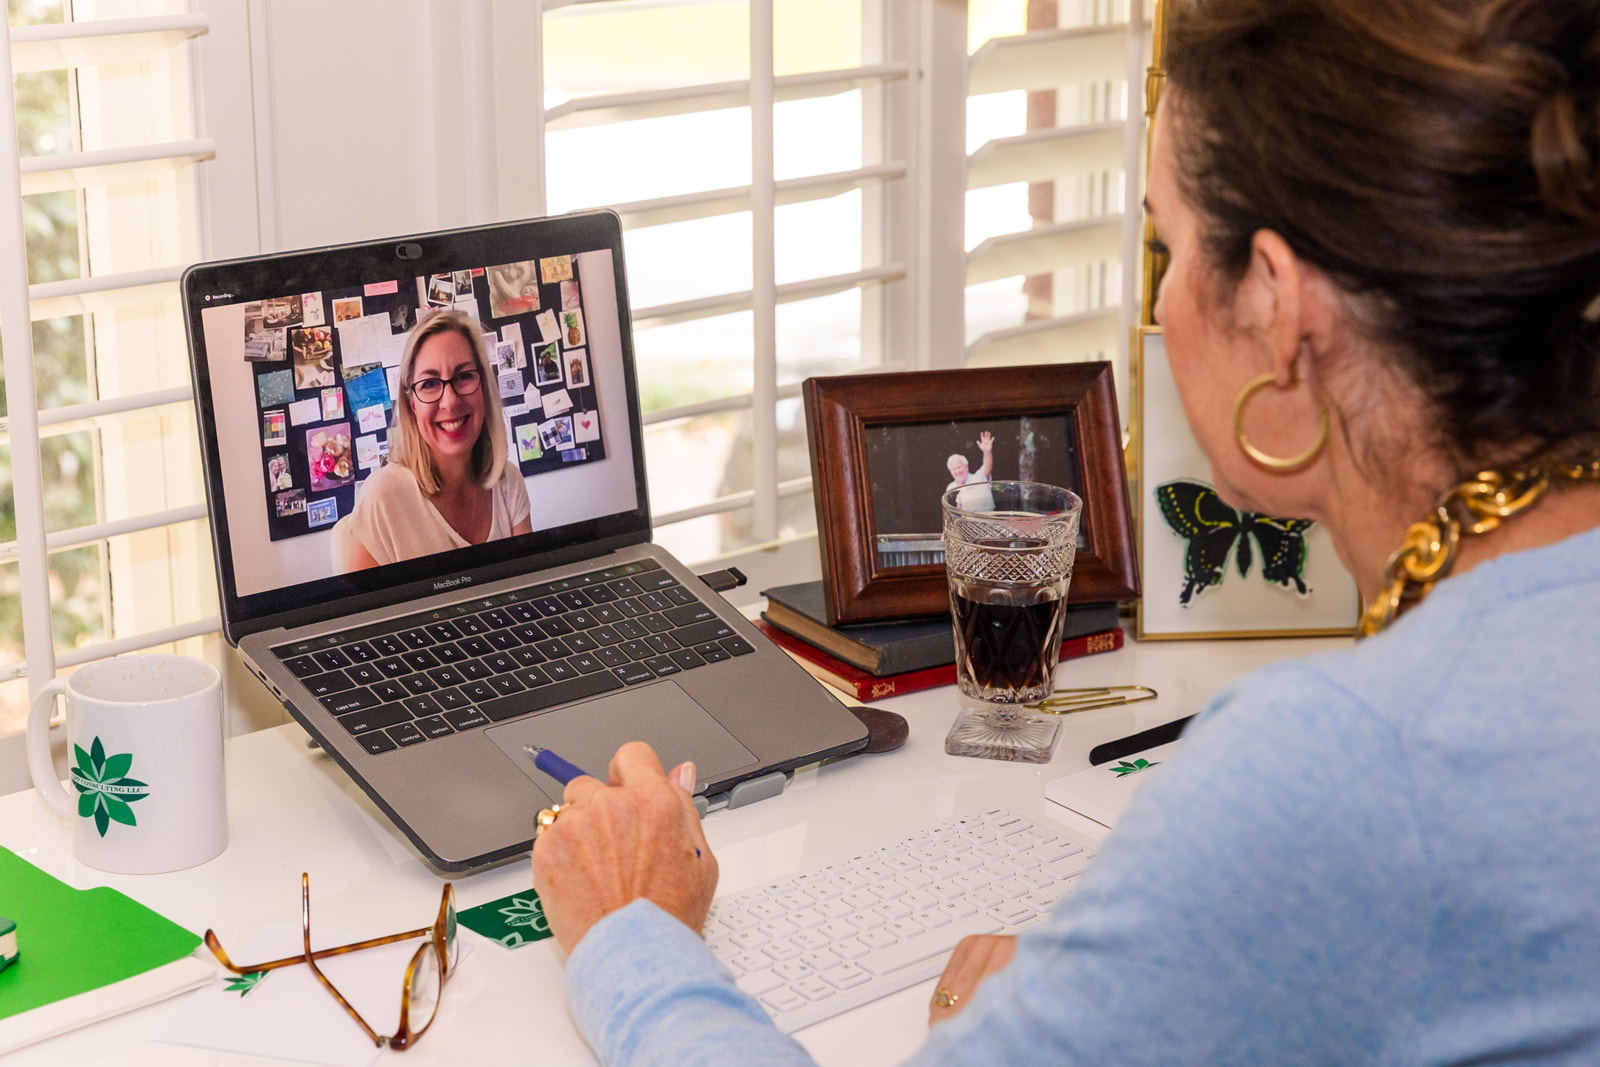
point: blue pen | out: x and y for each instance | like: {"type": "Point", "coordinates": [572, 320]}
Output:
{"type": "Point", "coordinates": [552, 764]}
{"type": "Point", "coordinates": [563, 772]}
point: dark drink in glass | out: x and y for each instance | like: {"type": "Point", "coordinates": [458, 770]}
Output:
{"type": "Point", "coordinates": [1009, 548]}
{"type": "Point", "coordinates": [1007, 640]}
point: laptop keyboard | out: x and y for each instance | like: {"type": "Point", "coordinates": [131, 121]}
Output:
{"type": "Point", "coordinates": [832, 939]}
{"type": "Point", "coordinates": [436, 673]}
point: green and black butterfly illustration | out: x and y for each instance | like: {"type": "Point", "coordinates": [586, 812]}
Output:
{"type": "Point", "coordinates": [1213, 529]}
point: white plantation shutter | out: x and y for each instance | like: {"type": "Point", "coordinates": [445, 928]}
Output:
{"type": "Point", "coordinates": [917, 171]}
{"type": "Point", "coordinates": [132, 174]}
{"type": "Point", "coordinates": [882, 177]}
{"type": "Point", "coordinates": [1085, 157]}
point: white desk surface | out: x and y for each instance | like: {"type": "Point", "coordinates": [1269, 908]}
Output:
{"type": "Point", "coordinates": [291, 810]}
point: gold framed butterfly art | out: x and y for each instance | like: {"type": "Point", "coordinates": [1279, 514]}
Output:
{"type": "Point", "coordinates": [1210, 570]}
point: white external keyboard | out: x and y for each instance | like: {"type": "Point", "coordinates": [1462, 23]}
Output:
{"type": "Point", "coordinates": [824, 942]}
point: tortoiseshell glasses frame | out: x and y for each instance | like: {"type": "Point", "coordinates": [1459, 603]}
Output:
{"type": "Point", "coordinates": [426, 974]}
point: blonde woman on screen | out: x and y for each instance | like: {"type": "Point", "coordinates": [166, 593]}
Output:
{"type": "Point", "coordinates": [448, 484]}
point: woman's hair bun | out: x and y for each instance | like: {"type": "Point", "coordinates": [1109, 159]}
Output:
{"type": "Point", "coordinates": [1545, 56]}
{"type": "Point", "coordinates": [1562, 162]}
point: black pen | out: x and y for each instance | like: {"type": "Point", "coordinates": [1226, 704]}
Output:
{"type": "Point", "coordinates": [1127, 746]}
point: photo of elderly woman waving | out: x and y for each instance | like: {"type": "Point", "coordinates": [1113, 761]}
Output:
{"type": "Point", "coordinates": [448, 483]}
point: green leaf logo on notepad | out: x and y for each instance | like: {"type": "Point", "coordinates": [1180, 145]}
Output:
{"type": "Point", "coordinates": [1123, 768]}
{"type": "Point", "coordinates": [245, 984]}
{"type": "Point", "coordinates": [104, 788]}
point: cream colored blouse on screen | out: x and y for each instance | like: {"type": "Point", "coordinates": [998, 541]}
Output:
{"type": "Point", "coordinates": [394, 521]}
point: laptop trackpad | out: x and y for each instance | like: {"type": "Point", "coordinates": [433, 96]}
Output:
{"type": "Point", "coordinates": [588, 734]}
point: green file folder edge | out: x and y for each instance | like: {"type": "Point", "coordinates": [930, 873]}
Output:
{"type": "Point", "coordinates": [70, 941]}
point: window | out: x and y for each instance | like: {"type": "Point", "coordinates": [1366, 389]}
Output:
{"type": "Point", "coordinates": [808, 187]}
{"type": "Point", "coordinates": [737, 141]}
{"type": "Point", "coordinates": [106, 140]}
{"type": "Point", "coordinates": [1050, 143]}
{"type": "Point", "coordinates": [815, 161]}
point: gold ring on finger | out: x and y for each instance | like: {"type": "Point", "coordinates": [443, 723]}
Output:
{"type": "Point", "coordinates": [943, 998]}
{"type": "Point", "coordinates": [546, 818]}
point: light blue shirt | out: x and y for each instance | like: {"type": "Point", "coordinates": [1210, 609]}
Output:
{"type": "Point", "coordinates": [1386, 855]}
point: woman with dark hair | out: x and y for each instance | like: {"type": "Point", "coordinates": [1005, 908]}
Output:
{"type": "Point", "coordinates": [447, 484]}
{"type": "Point", "coordinates": [1382, 312]}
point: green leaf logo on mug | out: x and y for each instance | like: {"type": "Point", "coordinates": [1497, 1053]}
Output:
{"type": "Point", "coordinates": [104, 786]}
{"type": "Point", "coordinates": [155, 716]}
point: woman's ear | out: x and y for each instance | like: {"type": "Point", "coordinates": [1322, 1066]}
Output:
{"type": "Point", "coordinates": [1269, 303]}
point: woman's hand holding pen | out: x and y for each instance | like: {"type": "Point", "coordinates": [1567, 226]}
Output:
{"type": "Point", "coordinates": [638, 836]}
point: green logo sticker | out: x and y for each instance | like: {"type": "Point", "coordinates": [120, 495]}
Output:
{"type": "Point", "coordinates": [512, 921]}
{"type": "Point", "coordinates": [525, 913]}
{"type": "Point", "coordinates": [1123, 768]}
{"type": "Point", "coordinates": [245, 984]}
{"type": "Point", "coordinates": [104, 788]}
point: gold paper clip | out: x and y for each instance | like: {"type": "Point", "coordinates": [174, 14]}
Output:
{"type": "Point", "coordinates": [1067, 701]}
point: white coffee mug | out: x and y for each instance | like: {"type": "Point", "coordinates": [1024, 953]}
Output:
{"type": "Point", "coordinates": [144, 742]}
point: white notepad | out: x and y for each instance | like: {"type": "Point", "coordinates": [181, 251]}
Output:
{"type": "Point", "coordinates": [1103, 793]}
{"type": "Point", "coordinates": [81, 1010]}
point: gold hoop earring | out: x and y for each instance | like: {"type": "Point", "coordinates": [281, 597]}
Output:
{"type": "Point", "coordinates": [1275, 463]}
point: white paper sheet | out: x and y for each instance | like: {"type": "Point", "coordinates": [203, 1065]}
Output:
{"type": "Point", "coordinates": [549, 329]}
{"type": "Point", "coordinates": [557, 403]}
{"type": "Point", "coordinates": [1103, 793]}
{"type": "Point", "coordinates": [371, 419]}
{"type": "Point", "coordinates": [289, 1015]}
{"type": "Point", "coordinates": [362, 341]}
{"type": "Point", "coordinates": [304, 411]}
{"type": "Point", "coordinates": [585, 426]}
{"type": "Point", "coordinates": [391, 349]}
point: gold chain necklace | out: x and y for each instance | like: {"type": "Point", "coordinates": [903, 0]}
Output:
{"type": "Point", "coordinates": [1475, 506]}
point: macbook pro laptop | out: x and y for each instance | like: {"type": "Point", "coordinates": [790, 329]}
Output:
{"type": "Point", "coordinates": [424, 678]}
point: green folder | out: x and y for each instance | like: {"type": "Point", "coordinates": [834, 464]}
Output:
{"type": "Point", "coordinates": [70, 941]}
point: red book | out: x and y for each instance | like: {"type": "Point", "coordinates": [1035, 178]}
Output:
{"type": "Point", "coordinates": [868, 687]}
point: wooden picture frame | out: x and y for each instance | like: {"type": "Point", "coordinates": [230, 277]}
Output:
{"type": "Point", "coordinates": [853, 418]}
{"type": "Point", "coordinates": [1174, 605]}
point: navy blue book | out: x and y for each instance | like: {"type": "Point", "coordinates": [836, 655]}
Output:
{"type": "Point", "coordinates": [885, 648]}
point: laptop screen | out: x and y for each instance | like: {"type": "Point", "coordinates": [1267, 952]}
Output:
{"type": "Point", "coordinates": [336, 485]}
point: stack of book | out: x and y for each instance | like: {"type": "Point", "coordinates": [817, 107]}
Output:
{"type": "Point", "coordinates": [874, 660]}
